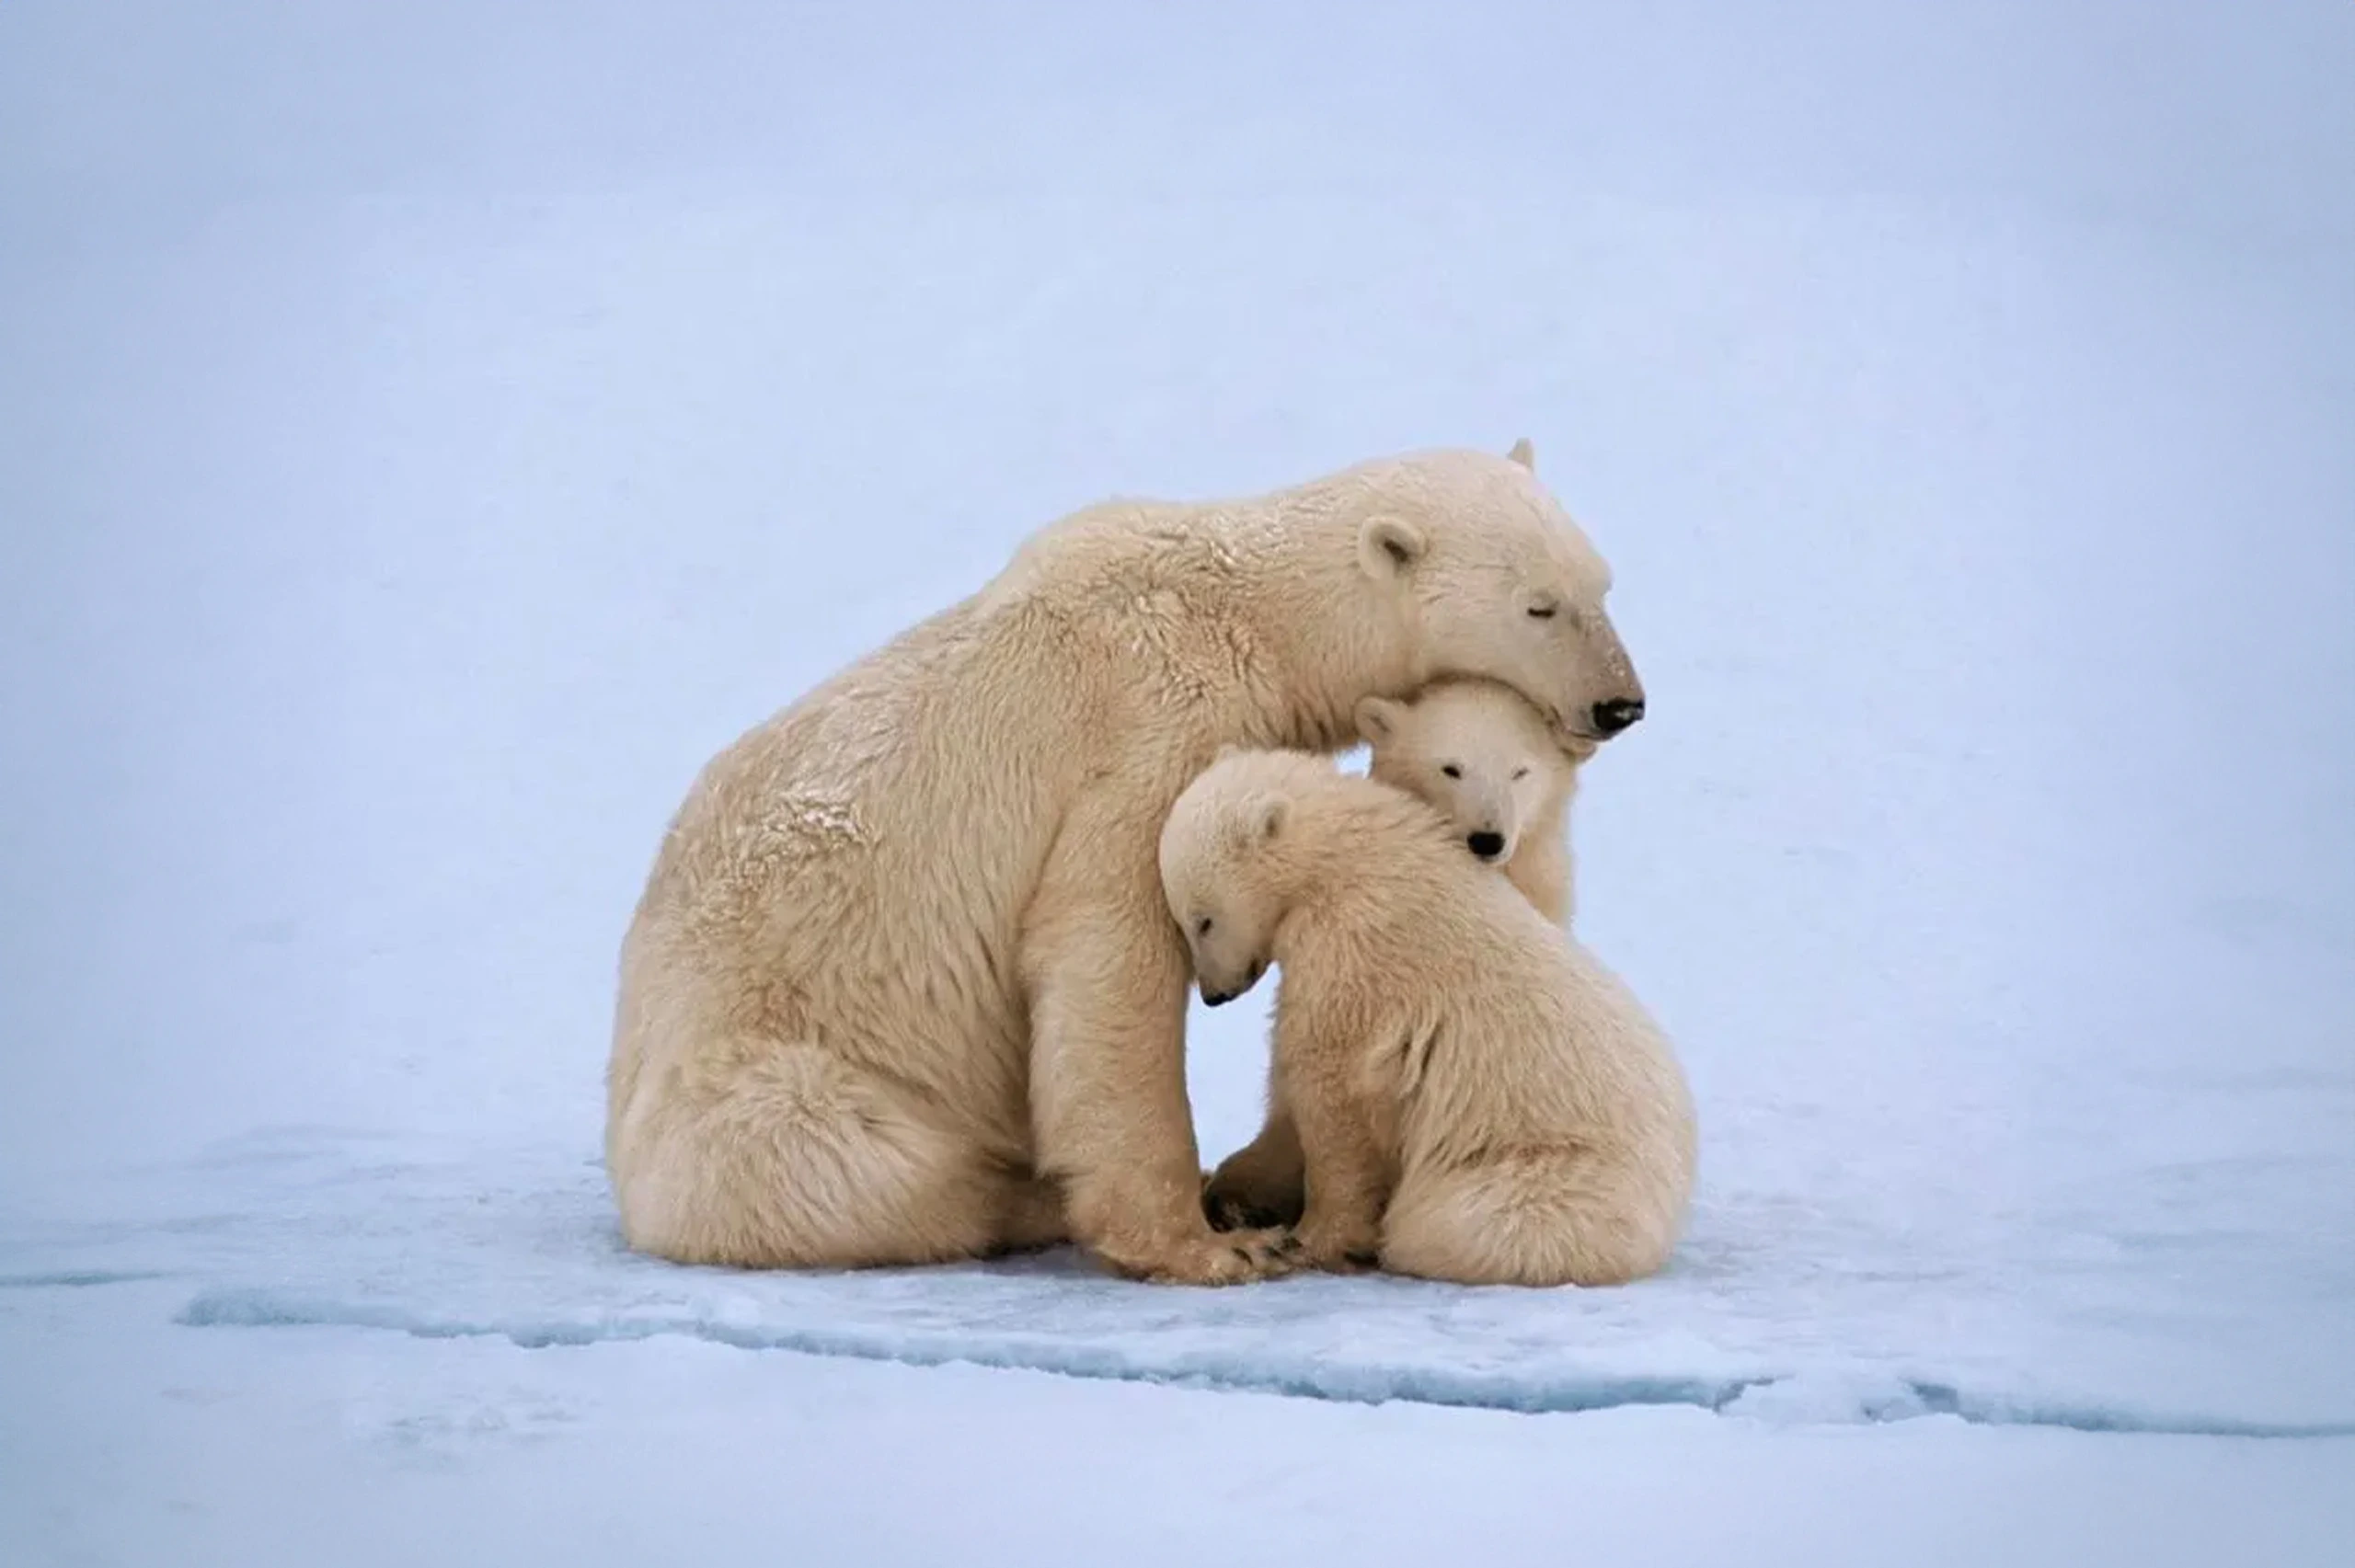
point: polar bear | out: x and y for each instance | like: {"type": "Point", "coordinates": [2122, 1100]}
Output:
{"type": "Point", "coordinates": [1480, 755]}
{"type": "Point", "coordinates": [902, 988]}
{"type": "Point", "coordinates": [1486, 760]}
{"type": "Point", "coordinates": [1477, 1098]}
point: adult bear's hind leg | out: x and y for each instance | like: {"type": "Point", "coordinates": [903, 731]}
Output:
{"type": "Point", "coordinates": [766, 1154]}
{"type": "Point", "coordinates": [1031, 1215]}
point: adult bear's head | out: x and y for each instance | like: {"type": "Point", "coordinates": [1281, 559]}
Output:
{"type": "Point", "coordinates": [1490, 578]}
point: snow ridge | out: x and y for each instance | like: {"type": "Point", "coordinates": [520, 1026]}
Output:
{"type": "Point", "coordinates": [1769, 1396]}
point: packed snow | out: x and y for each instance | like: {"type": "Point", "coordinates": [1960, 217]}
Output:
{"type": "Point", "coordinates": [1782, 1305]}
{"type": "Point", "coordinates": [426, 438]}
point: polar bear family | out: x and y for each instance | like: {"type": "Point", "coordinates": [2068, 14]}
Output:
{"type": "Point", "coordinates": [904, 984]}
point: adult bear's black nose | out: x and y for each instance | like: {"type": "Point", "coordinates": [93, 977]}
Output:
{"type": "Point", "coordinates": [1617, 714]}
{"type": "Point", "coordinates": [1485, 844]}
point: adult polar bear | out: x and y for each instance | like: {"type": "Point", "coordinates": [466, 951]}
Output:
{"type": "Point", "coordinates": [903, 986]}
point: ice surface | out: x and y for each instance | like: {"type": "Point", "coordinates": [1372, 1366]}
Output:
{"type": "Point", "coordinates": [198, 1447]}
{"type": "Point", "coordinates": [1781, 1305]}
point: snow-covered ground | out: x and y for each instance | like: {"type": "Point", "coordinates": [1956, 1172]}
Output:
{"type": "Point", "coordinates": [425, 437]}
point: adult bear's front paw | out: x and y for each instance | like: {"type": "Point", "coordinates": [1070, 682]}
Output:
{"type": "Point", "coordinates": [1234, 1258]}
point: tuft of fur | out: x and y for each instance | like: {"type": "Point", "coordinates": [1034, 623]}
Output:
{"type": "Point", "coordinates": [1477, 1097]}
{"type": "Point", "coordinates": [902, 987]}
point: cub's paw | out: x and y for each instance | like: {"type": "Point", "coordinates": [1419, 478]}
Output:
{"type": "Point", "coordinates": [1339, 1249]}
{"type": "Point", "coordinates": [1233, 1202]}
{"type": "Point", "coordinates": [1236, 1257]}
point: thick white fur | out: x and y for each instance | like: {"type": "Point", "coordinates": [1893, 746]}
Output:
{"type": "Point", "coordinates": [902, 985]}
{"type": "Point", "coordinates": [1478, 754]}
{"type": "Point", "coordinates": [1477, 1098]}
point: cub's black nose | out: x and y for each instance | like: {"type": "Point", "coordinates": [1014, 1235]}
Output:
{"type": "Point", "coordinates": [1488, 846]}
{"type": "Point", "coordinates": [1617, 714]}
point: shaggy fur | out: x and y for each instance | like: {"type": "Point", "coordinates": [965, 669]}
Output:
{"type": "Point", "coordinates": [902, 987]}
{"type": "Point", "coordinates": [1484, 759]}
{"type": "Point", "coordinates": [1477, 1097]}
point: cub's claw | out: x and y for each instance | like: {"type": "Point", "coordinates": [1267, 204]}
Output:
{"type": "Point", "coordinates": [1233, 1257]}
{"type": "Point", "coordinates": [1332, 1250]}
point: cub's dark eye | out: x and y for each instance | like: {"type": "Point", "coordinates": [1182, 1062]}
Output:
{"type": "Point", "coordinates": [1202, 926]}
{"type": "Point", "coordinates": [1452, 770]}
{"type": "Point", "coordinates": [1520, 773]}
{"type": "Point", "coordinates": [1542, 611]}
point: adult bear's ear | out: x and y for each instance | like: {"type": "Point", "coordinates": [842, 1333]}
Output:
{"type": "Point", "coordinates": [1377, 719]}
{"type": "Point", "coordinates": [1388, 546]}
{"type": "Point", "coordinates": [1524, 454]}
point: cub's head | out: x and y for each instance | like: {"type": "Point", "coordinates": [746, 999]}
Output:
{"type": "Point", "coordinates": [1493, 580]}
{"type": "Point", "coordinates": [1223, 853]}
{"type": "Point", "coordinates": [1477, 753]}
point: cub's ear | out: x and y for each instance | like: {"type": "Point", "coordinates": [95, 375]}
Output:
{"type": "Point", "coordinates": [1377, 719]}
{"type": "Point", "coordinates": [1269, 815]}
{"type": "Point", "coordinates": [1229, 749]}
{"type": "Point", "coordinates": [1524, 454]}
{"type": "Point", "coordinates": [1387, 546]}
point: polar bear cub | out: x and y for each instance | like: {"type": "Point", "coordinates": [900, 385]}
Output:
{"type": "Point", "coordinates": [1478, 1099]}
{"type": "Point", "coordinates": [1481, 756]}
{"type": "Point", "coordinates": [1485, 759]}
